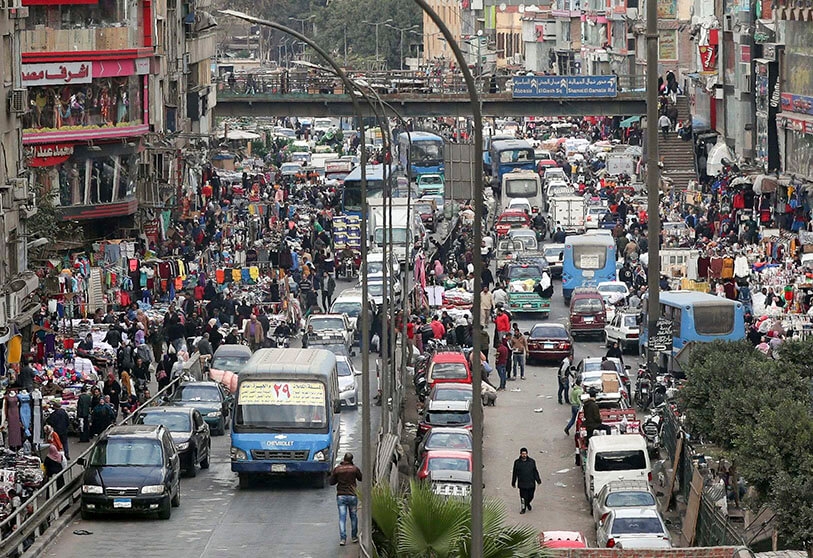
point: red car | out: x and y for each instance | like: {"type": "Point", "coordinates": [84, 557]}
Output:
{"type": "Point", "coordinates": [511, 220]}
{"type": "Point", "coordinates": [444, 460]}
{"type": "Point", "coordinates": [448, 367]}
{"type": "Point", "coordinates": [562, 539]}
{"type": "Point", "coordinates": [588, 314]}
{"type": "Point", "coordinates": [550, 341]}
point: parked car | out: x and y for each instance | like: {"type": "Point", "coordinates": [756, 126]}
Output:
{"type": "Point", "coordinates": [622, 494]}
{"type": "Point", "coordinates": [587, 312]}
{"type": "Point", "coordinates": [210, 399]}
{"type": "Point", "coordinates": [226, 364]}
{"type": "Point", "coordinates": [631, 528]}
{"type": "Point", "coordinates": [549, 341]}
{"type": "Point", "coordinates": [613, 292]}
{"type": "Point", "coordinates": [457, 439]}
{"type": "Point", "coordinates": [624, 328]}
{"type": "Point", "coordinates": [132, 469]}
{"type": "Point", "coordinates": [348, 389]}
{"type": "Point", "coordinates": [189, 432]}
{"type": "Point", "coordinates": [450, 392]}
{"type": "Point", "coordinates": [444, 460]}
{"type": "Point", "coordinates": [336, 327]}
{"type": "Point", "coordinates": [448, 367]}
{"type": "Point", "coordinates": [445, 413]}
{"type": "Point", "coordinates": [590, 366]}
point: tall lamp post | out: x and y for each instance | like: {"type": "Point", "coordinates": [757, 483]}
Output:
{"type": "Point", "coordinates": [302, 20]}
{"type": "Point", "coordinates": [377, 25]}
{"type": "Point", "coordinates": [403, 30]}
{"type": "Point", "coordinates": [367, 464]}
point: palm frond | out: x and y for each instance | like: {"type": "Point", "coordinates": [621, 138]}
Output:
{"type": "Point", "coordinates": [386, 507]}
{"type": "Point", "coordinates": [432, 526]}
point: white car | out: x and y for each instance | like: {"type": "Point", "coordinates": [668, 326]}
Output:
{"type": "Point", "coordinates": [613, 292]}
{"type": "Point", "coordinates": [519, 204]}
{"type": "Point", "coordinates": [624, 328]}
{"type": "Point", "coordinates": [348, 388]}
{"type": "Point", "coordinates": [375, 288]}
{"type": "Point", "coordinates": [375, 265]}
{"type": "Point", "coordinates": [593, 216]}
{"type": "Point", "coordinates": [332, 326]}
{"type": "Point", "coordinates": [621, 494]}
{"type": "Point", "coordinates": [633, 528]}
{"type": "Point", "coordinates": [350, 302]}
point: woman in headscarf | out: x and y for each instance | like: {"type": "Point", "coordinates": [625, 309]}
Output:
{"type": "Point", "coordinates": [53, 461]}
{"type": "Point", "coordinates": [438, 269]}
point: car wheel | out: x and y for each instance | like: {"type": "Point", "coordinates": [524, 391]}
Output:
{"type": "Point", "coordinates": [86, 515]}
{"type": "Point", "coordinates": [176, 500]}
{"type": "Point", "coordinates": [321, 480]}
{"type": "Point", "coordinates": [204, 463]}
{"type": "Point", "coordinates": [165, 512]}
{"type": "Point", "coordinates": [193, 465]}
{"type": "Point", "coordinates": [243, 480]}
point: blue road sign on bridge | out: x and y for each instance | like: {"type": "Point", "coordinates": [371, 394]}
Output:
{"type": "Point", "coordinates": [535, 87]}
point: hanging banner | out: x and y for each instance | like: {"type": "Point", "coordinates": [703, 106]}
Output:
{"type": "Point", "coordinates": [708, 58]}
{"type": "Point", "coordinates": [152, 230]}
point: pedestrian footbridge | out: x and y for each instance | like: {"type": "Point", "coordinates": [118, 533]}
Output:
{"type": "Point", "coordinates": [414, 94]}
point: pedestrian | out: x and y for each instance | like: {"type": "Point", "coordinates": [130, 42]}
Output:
{"type": "Point", "coordinates": [664, 124]}
{"type": "Point", "coordinates": [575, 404]}
{"type": "Point", "coordinates": [55, 456]}
{"type": "Point", "coordinates": [502, 326]}
{"type": "Point", "coordinates": [253, 333]}
{"type": "Point", "coordinates": [486, 305]}
{"type": "Point", "coordinates": [83, 406]}
{"type": "Point", "coordinates": [345, 476]}
{"type": "Point", "coordinates": [60, 422]}
{"type": "Point", "coordinates": [607, 364]}
{"type": "Point", "coordinates": [328, 287]}
{"type": "Point", "coordinates": [592, 415]}
{"type": "Point", "coordinates": [503, 354]}
{"type": "Point", "coordinates": [26, 376]}
{"type": "Point", "coordinates": [519, 350]}
{"type": "Point", "coordinates": [615, 352]}
{"type": "Point", "coordinates": [525, 477]}
{"type": "Point", "coordinates": [564, 375]}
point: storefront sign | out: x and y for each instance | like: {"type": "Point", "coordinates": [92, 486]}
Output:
{"type": "Point", "coordinates": [113, 68]}
{"type": "Point", "coordinates": [535, 87]}
{"type": "Point", "coordinates": [797, 103]}
{"type": "Point", "coordinates": [708, 57]}
{"type": "Point", "coordinates": [58, 73]}
{"type": "Point", "coordinates": [142, 66]}
{"type": "Point", "coordinates": [152, 230]}
{"type": "Point", "coordinates": [48, 155]}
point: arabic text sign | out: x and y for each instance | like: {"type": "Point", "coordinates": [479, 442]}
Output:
{"type": "Point", "coordinates": [57, 73]}
{"type": "Point", "coordinates": [533, 87]}
{"type": "Point", "coordinates": [281, 393]}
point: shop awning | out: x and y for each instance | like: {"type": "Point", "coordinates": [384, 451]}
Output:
{"type": "Point", "coordinates": [764, 184]}
{"type": "Point", "coordinates": [628, 122]}
{"type": "Point", "coordinates": [240, 135]}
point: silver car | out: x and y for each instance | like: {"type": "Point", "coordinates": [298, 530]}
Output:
{"type": "Point", "coordinates": [348, 388]}
{"type": "Point", "coordinates": [622, 494]}
{"type": "Point", "coordinates": [633, 528]}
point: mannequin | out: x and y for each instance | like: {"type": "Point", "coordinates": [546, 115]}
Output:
{"type": "Point", "coordinates": [11, 421]}
{"type": "Point", "coordinates": [25, 412]}
{"type": "Point", "coordinates": [36, 397]}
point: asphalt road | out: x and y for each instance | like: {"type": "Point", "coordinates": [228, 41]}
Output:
{"type": "Point", "coordinates": [278, 517]}
{"type": "Point", "coordinates": [527, 415]}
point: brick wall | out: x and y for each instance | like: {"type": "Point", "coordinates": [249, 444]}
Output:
{"type": "Point", "coordinates": [705, 552]}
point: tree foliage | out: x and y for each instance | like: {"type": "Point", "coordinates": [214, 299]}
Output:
{"type": "Point", "coordinates": [759, 411]}
{"type": "Point", "coordinates": [47, 222]}
{"type": "Point", "coordinates": [423, 524]}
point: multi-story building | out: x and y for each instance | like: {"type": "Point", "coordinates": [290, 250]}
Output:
{"type": "Point", "coordinates": [100, 77]}
{"type": "Point", "coordinates": [567, 16]}
{"type": "Point", "coordinates": [16, 196]}
{"type": "Point", "coordinates": [539, 37]}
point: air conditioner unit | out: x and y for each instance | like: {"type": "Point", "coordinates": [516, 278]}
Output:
{"type": "Point", "coordinates": [19, 188]}
{"type": "Point", "coordinates": [728, 23]}
{"type": "Point", "coordinates": [745, 83]}
{"type": "Point", "coordinates": [17, 101]}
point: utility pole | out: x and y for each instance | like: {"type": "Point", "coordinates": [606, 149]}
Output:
{"type": "Point", "coordinates": [377, 25]}
{"type": "Point", "coordinates": [652, 179]}
{"type": "Point", "coordinates": [402, 30]}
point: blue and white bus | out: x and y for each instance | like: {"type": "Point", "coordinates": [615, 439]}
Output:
{"type": "Point", "coordinates": [424, 155]}
{"type": "Point", "coordinates": [510, 155]}
{"type": "Point", "coordinates": [589, 259]}
{"type": "Point", "coordinates": [487, 140]}
{"type": "Point", "coordinates": [696, 318]}
{"type": "Point", "coordinates": [285, 418]}
{"type": "Point", "coordinates": [352, 201]}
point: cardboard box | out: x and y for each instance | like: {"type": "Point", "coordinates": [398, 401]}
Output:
{"type": "Point", "coordinates": [609, 382]}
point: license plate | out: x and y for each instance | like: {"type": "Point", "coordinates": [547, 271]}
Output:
{"type": "Point", "coordinates": [278, 468]}
{"type": "Point", "coordinates": [588, 320]}
{"type": "Point", "coordinates": [527, 305]}
{"type": "Point", "coordinates": [122, 503]}
{"type": "Point", "coordinates": [548, 346]}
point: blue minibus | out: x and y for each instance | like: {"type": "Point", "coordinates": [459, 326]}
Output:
{"type": "Point", "coordinates": [588, 260]}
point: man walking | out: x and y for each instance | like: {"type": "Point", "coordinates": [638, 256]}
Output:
{"type": "Point", "coordinates": [525, 476]}
{"type": "Point", "coordinates": [60, 422]}
{"type": "Point", "coordinates": [564, 380]}
{"type": "Point", "coordinates": [575, 404]}
{"type": "Point", "coordinates": [519, 348]}
{"type": "Point", "coordinates": [345, 476]}
{"type": "Point", "coordinates": [83, 407]}
{"type": "Point", "coordinates": [503, 353]}
{"type": "Point", "coordinates": [664, 124]}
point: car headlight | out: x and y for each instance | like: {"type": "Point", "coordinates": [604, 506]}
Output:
{"type": "Point", "coordinates": [322, 455]}
{"type": "Point", "coordinates": [182, 446]}
{"type": "Point", "coordinates": [153, 489]}
{"type": "Point", "coordinates": [91, 489]}
{"type": "Point", "coordinates": [237, 454]}
{"type": "Point", "coordinates": [349, 387]}
{"type": "Point", "coordinates": [213, 414]}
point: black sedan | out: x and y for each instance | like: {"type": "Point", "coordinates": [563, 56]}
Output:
{"type": "Point", "coordinates": [189, 432]}
{"type": "Point", "coordinates": [209, 398]}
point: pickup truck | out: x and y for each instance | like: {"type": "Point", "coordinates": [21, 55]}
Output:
{"type": "Point", "coordinates": [614, 418]}
{"type": "Point", "coordinates": [523, 277]}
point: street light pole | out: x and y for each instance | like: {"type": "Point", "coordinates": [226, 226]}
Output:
{"type": "Point", "coordinates": [652, 180]}
{"type": "Point", "coordinates": [377, 25]}
{"type": "Point", "coordinates": [402, 30]}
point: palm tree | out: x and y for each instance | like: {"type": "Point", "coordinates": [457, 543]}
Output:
{"type": "Point", "coordinates": [423, 524]}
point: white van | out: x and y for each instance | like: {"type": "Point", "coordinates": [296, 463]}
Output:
{"type": "Point", "coordinates": [615, 457]}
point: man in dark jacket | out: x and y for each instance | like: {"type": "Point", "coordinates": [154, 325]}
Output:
{"type": "Point", "coordinates": [345, 476]}
{"type": "Point", "coordinates": [592, 415]}
{"type": "Point", "coordinates": [83, 407]}
{"type": "Point", "coordinates": [59, 421]}
{"type": "Point", "coordinates": [526, 477]}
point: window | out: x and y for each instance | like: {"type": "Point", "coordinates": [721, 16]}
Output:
{"type": "Point", "coordinates": [714, 320]}
{"type": "Point", "coordinates": [589, 257]}
{"type": "Point", "coordinates": [676, 318]}
{"type": "Point", "coordinates": [426, 152]}
{"type": "Point", "coordinates": [520, 188]}
{"type": "Point", "coordinates": [632, 526]}
{"type": "Point", "coordinates": [449, 371]}
{"type": "Point", "coordinates": [516, 156]}
{"type": "Point", "coordinates": [449, 464]}
{"type": "Point", "coordinates": [174, 422]}
{"type": "Point", "coordinates": [630, 500]}
{"type": "Point", "coordinates": [551, 332]}
{"type": "Point", "coordinates": [588, 305]}
{"type": "Point", "coordinates": [126, 452]}
{"type": "Point", "coordinates": [451, 418]}
{"type": "Point", "coordinates": [625, 460]}
{"type": "Point", "coordinates": [198, 393]}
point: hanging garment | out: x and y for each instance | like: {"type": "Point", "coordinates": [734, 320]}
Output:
{"type": "Point", "coordinates": [36, 398]}
{"type": "Point", "coordinates": [254, 273]}
{"type": "Point", "coordinates": [715, 268]}
{"type": "Point", "coordinates": [727, 271]}
{"type": "Point", "coordinates": [741, 268]}
{"type": "Point", "coordinates": [703, 264]}
{"type": "Point", "coordinates": [220, 276]}
{"type": "Point", "coordinates": [236, 275]}
{"type": "Point", "coordinates": [25, 412]}
{"type": "Point", "coordinates": [15, 427]}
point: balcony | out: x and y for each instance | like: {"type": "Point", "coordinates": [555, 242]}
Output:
{"type": "Point", "coordinates": [46, 39]}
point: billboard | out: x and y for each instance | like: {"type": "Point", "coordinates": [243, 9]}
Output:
{"type": "Point", "coordinates": [540, 87]}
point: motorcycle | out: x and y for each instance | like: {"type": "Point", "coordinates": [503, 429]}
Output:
{"type": "Point", "coordinates": [651, 428]}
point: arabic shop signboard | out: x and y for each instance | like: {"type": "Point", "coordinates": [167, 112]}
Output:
{"type": "Point", "coordinates": [584, 87]}
{"type": "Point", "coordinates": [48, 155]}
{"type": "Point", "coordinates": [57, 73]}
